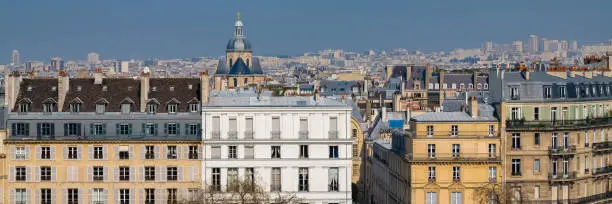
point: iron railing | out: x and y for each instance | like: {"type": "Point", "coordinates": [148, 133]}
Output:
{"type": "Point", "coordinates": [333, 134]}
{"type": "Point", "coordinates": [460, 134]}
{"type": "Point", "coordinates": [275, 134]}
{"type": "Point", "coordinates": [558, 124]}
{"type": "Point", "coordinates": [464, 157]}
{"type": "Point", "coordinates": [248, 135]}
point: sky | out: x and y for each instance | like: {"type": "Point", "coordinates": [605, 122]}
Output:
{"type": "Point", "coordinates": [141, 29]}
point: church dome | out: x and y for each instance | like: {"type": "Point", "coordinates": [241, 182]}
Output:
{"type": "Point", "coordinates": [238, 44]}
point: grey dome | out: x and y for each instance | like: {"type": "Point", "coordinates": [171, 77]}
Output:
{"type": "Point", "coordinates": [238, 44]}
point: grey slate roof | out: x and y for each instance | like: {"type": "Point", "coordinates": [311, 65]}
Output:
{"type": "Point", "coordinates": [240, 68]}
{"type": "Point", "coordinates": [333, 87]}
{"type": "Point", "coordinates": [249, 99]}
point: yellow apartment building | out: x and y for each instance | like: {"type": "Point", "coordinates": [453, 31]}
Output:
{"type": "Point", "coordinates": [453, 154]}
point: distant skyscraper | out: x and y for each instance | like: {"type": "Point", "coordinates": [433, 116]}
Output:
{"type": "Point", "coordinates": [57, 64]}
{"type": "Point", "coordinates": [93, 58]}
{"type": "Point", "coordinates": [487, 47]}
{"type": "Point", "coordinates": [125, 66]}
{"type": "Point", "coordinates": [533, 44]}
{"type": "Point", "coordinates": [15, 57]}
{"type": "Point", "coordinates": [28, 66]}
{"type": "Point", "coordinates": [517, 46]}
{"type": "Point", "coordinates": [574, 46]}
{"type": "Point", "coordinates": [564, 46]}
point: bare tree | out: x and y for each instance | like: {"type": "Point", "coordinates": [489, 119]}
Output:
{"type": "Point", "coordinates": [498, 194]}
{"type": "Point", "coordinates": [243, 192]}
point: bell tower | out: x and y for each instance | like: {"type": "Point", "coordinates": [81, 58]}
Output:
{"type": "Point", "coordinates": [238, 46]}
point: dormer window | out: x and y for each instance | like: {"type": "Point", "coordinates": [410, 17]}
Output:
{"type": "Point", "coordinates": [470, 86]}
{"type": "Point", "coordinates": [75, 107]}
{"type": "Point", "coordinates": [152, 108]}
{"type": "Point", "coordinates": [24, 107]}
{"type": "Point", "coordinates": [172, 108]}
{"type": "Point", "coordinates": [126, 108]}
{"type": "Point", "coordinates": [462, 86]}
{"type": "Point", "coordinates": [100, 108]}
{"type": "Point", "coordinates": [193, 107]}
{"type": "Point", "coordinates": [562, 92]}
{"type": "Point", "coordinates": [479, 86]}
{"type": "Point", "coordinates": [514, 93]}
{"type": "Point", "coordinates": [547, 92]}
{"type": "Point", "coordinates": [48, 107]}
{"type": "Point", "coordinates": [486, 86]}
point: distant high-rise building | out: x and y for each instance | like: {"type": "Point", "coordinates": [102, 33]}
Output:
{"type": "Point", "coordinates": [15, 57]}
{"type": "Point", "coordinates": [574, 46]}
{"type": "Point", "coordinates": [533, 44]}
{"type": "Point", "coordinates": [517, 46]}
{"type": "Point", "coordinates": [28, 66]}
{"type": "Point", "coordinates": [563, 46]}
{"type": "Point", "coordinates": [125, 66]}
{"type": "Point", "coordinates": [93, 58]}
{"type": "Point", "coordinates": [487, 47]}
{"type": "Point", "coordinates": [543, 45]}
{"type": "Point", "coordinates": [57, 64]}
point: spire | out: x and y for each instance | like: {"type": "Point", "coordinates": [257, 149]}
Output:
{"type": "Point", "coordinates": [238, 26]}
{"type": "Point", "coordinates": [238, 16]}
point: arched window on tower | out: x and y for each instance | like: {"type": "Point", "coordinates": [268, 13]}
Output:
{"type": "Point", "coordinates": [235, 83]}
{"type": "Point", "coordinates": [231, 62]}
{"type": "Point", "coordinates": [247, 62]}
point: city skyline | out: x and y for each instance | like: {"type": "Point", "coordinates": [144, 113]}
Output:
{"type": "Point", "coordinates": [140, 32]}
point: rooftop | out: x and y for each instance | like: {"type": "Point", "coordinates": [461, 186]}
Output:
{"type": "Point", "coordinates": [451, 117]}
{"type": "Point", "coordinates": [250, 99]}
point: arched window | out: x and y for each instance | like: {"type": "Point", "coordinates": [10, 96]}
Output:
{"type": "Point", "coordinates": [235, 83]}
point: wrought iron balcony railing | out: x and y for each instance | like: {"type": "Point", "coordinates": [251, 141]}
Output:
{"type": "Point", "coordinates": [558, 124]}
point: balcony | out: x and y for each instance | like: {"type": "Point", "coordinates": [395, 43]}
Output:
{"type": "Point", "coordinates": [248, 135]}
{"type": "Point", "coordinates": [562, 151]}
{"type": "Point", "coordinates": [454, 157]}
{"type": "Point", "coordinates": [275, 134]}
{"type": "Point", "coordinates": [455, 135]}
{"type": "Point", "coordinates": [602, 170]}
{"type": "Point", "coordinates": [216, 135]}
{"type": "Point", "coordinates": [303, 134]}
{"type": "Point", "coordinates": [492, 180]}
{"type": "Point", "coordinates": [602, 147]}
{"type": "Point", "coordinates": [232, 135]}
{"type": "Point", "coordinates": [567, 177]}
{"type": "Point", "coordinates": [333, 134]}
{"type": "Point", "coordinates": [558, 125]}
{"type": "Point", "coordinates": [431, 179]}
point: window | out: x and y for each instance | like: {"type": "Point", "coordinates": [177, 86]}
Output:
{"type": "Point", "coordinates": [24, 107]}
{"type": "Point", "coordinates": [45, 152]}
{"type": "Point", "coordinates": [536, 138]}
{"type": "Point", "coordinates": [172, 196]}
{"type": "Point", "coordinates": [20, 173]}
{"type": "Point", "coordinates": [98, 152]}
{"type": "Point", "coordinates": [45, 173]}
{"type": "Point", "coordinates": [355, 151]}
{"type": "Point", "coordinates": [150, 129]}
{"type": "Point", "coordinates": [565, 167]}
{"type": "Point", "coordinates": [470, 86]}
{"type": "Point", "coordinates": [98, 173]}
{"type": "Point", "coordinates": [275, 185]}
{"type": "Point", "coordinates": [232, 152]}
{"type": "Point", "coordinates": [100, 108]}
{"type": "Point", "coordinates": [125, 108]}
{"type": "Point", "coordinates": [333, 152]}
{"type": "Point", "coordinates": [73, 196]}
{"type": "Point", "coordinates": [275, 133]}
{"type": "Point", "coordinates": [172, 173]}
{"type": "Point", "coordinates": [303, 151]}
{"type": "Point", "coordinates": [151, 108]}
{"type": "Point", "coordinates": [149, 196]}
{"type": "Point", "coordinates": [333, 128]}
{"type": "Point", "coordinates": [456, 198]}
{"type": "Point", "coordinates": [456, 173]}
{"type": "Point", "coordinates": [149, 152]}
{"type": "Point", "coordinates": [216, 179]}
{"type": "Point", "coordinates": [172, 154]}
{"type": "Point", "coordinates": [333, 184]}
{"type": "Point", "coordinates": [124, 196]}
{"type": "Point", "coordinates": [536, 166]}
{"type": "Point", "coordinates": [516, 140]}
{"type": "Point", "coordinates": [98, 129]}
{"type": "Point", "coordinates": [233, 129]}
{"type": "Point", "coordinates": [536, 192]}
{"type": "Point", "coordinates": [276, 152]}
{"type": "Point", "coordinates": [303, 133]}
{"type": "Point", "coordinates": [193, 129]}
{"type": "Point", "coordinates": [125, 129]}
{"type": "Point", "coordinates": [124, 152]}
{"type": "Point", "coordinates": [492, 151]}
{"type": "Point", "coordinates": [554, 140]}
{"type": "Point", "coordinates": [45, 196]}
{"type": "Point", "coordinates": [303, 180]}
{"type": "Point", "coordinates": [586, 138]}
{"type": "Point", "coordinates": [554, 168]}
{"type": "Point", "coordinates": [566, 142]}
{"type": "Point", "coordinates": [46, 129]}
{"type": "Point", "coordinates": [193, 152]}
{"type": "Point", "coordinates": [492, 173]}
{"type": "Point", "coordinates": [21, 196]}
{"type": "Point", "coordinates": [516, 167]}
{"type": "Point", "coordinates": [124, 173]}
{"type": "Point", "coordinates": [562, 92]}
{"type": "Point", "coordinates": [430, 131]}
{"type": "Point", "coordinates": [354, 133]}
{"type": "Point", "coordinates": [20, 129]}
{"type": "Point", "coordinates": [249, 152]}
{"type": "Point", "coordinates": [456, 150]}
{"type": "Point", "coordinates": [454, 130]}
{"type": "Point", "coordinates": [516, 113]}
{"type": "Point", "coordinates": [75, 107]}
{"type": "Point", "coordinates": [454, 86]}
{"type": "Point", "coordinates": [547, 92]}
{"type": "Point", "coordinates": [172, 129]}
{"type": "Point", "coordinates": [216, 152]}
{"type": "Point", "coordinates": [462, 86]}
{"type": "Point", "coordinates": [72, 129]}
{"type": "Point", "coordinates": [232, 178]}
{"type": "Point", "coordinates": [491, 130]}
{"type": "Point", "coordinates": [432, 198]}
{"type": "Point", "coordinates": [20, 153]}
{"type": "Point", "coordinates": [431, 173]}
{"type": "Point", "coordinates": [172, 108]}
{"type": "Point", "coordinates": [248, 128]}
{"type": "Point", "coordinates": [193, 107]}
{"type": "Point", "coordinates": [149, 173]}
{"type": "Point", "coordinates": [250, 175]}
{"type": "Point", "coordinates": [514, 93]}
{"type": "Point", "coordinates": [431, 150]}
{"type": "Point", "coordinates": [98, 196]}
{"type": "Point", "coordinates": [536, 113]}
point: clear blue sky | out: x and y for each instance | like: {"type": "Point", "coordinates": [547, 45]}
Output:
{"type": "Point", "coordinates": [189, 28]}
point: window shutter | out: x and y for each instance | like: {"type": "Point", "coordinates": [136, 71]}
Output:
{"type": "Point", "coordinates": [36, 196]}
{"type": "Point", "coordinates": [53, 173]}
{"type": "Point", "coordinates": [105, 152]}
{"type": "Point", "coordinates": [143, 151]}
{"type": "Point", "coordinates": [78, 152]}
{"type": "Point", "coordinates": [52, 152]}
{"type": "Point", "coordinates": [164, 173]}
{"type": "Point", "coordinates": [118, 129]}
{"type": "Point", "coordinates": [64, 196]}
{"type": "Point", "coordinates": [141, 173]}
{"type": "Point", "coordinates": [11, 175]}
{"type": "Point", "coordinates": [190, 173]}
{"type": "Point", "coordinates": [91, 129]}
{"type": "Point", "coordinates": [179, 152]}
{"type": "Point", "coordinates": [89, 174]}
{"type": "Point", "coordinates": [116, 196]}
{"type": "Point", "coordinates": [104, 195]}
{"type": "Point", "coordinates": [165, 128]}
{"type": "Point", "coordinates": [141, 196]}
{"type": "Point", "coordinates": [131, 152]}
{"type": "Point", "coordinates": [13, 152]}
{"type": "Point", "coordinates": [29, 176]}
{"type": "Point", "coordinates": [65, 152]}
{"type": "Point", "coordinates": [157, 152]}
{"type": "Point", "coordinates": [130, 129]}
{"type": "Point", "coordinates": [36, 176]}
{"type": "Point", "coordinates": [132, 173]}
{"type": "Point", "coordinates": [38, 152]}
{"type": "Point", "coordinates": [178, 128]}
{"type": "Point", "coordinates": [132, 195]}
{"type": "Point", "coordinates": [27, 152]}
{"type": "Point", "coordinates": [179, 173]}
{"type": "Point", "coordinates": [116, 152]}
{"type": "Point", "coordinates": [116, 174]}
{"type": "Point", "coordinates": [155, 129]}
{"type": "Point", "coordinates": [52, 129]}
{"type": "Point", "coordinates": [81, 196]}
{"type": "Point", "coordinates": [13, 129]}
{"type": "Point", "coordinates": [27, 129]}
{"type": "Point", "coordinates": [38, 129]}
{"type": "Point", "coordinates": [90, 152]}
{"type": "Point", "coordinates": [65, 129]}
{"type": "Point", "coordinates": [185, 153]}
{"type": "Point", "coordinates": [105, 172]}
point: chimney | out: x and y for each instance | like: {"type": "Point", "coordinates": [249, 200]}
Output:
{"type": "Point", "coordinates": [428, 70]}
{"type": "Point", "coordinates": [473, 107]}
{"type": "Point", "coordinates": [383, 113]}
{"type": "Point", "coordinates": [204, 87]}
{"type": "Point", "coordinates": [441, 80]}
{"type": "Point", "coordinates": [12, 84]}
{"type": "Point", "coordinates": [397, 102]}
{"type": "Point", "coordinates": [316, 95]}
{"type": "Point", "coordinates": [526, 75]}
{"type": "Point", "coordinates": [144, 90]}
{"type": "Point", "coordinates": [343, 100]}
{"type": "Point", "coordinates": [609, 54]}
{"type": "Point", "coordinates": [98, 76]}
{"type": "Point", "coordinates": [368, 109]}
{"type": "Point", "coordinates": [366, 83]}
{"type": "Point", "coordinates": [502, 74]}
{"type": "Point", "coordinates": [475, 78]}
{"type": "Point", "coordinates": [63, 85]}
{"type": "Point", "coordinates": [408, 72]}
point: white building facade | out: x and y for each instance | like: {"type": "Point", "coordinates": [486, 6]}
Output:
{"type": "Point", "coordinates": [292, 145]}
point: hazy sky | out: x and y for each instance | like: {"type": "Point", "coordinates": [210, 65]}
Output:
{"type": "Point", "coordinates": [190, 28]}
